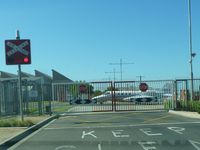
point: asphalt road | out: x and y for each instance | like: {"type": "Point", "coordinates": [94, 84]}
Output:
{"type": "Point", "coordinates": [116, 131]}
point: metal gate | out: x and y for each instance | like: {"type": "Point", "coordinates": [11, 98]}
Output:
{"type": "Point", "coordinates": [112, 96]}
{"type": "Point", "coordinates": [156, 95]}
{"type": "Point", "coordinates": [80, 97]}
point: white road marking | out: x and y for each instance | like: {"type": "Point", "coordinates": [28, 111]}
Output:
{"type": "Point", "coordinates": [99, 147]}
{"type": "Point", "coordinates": [195, 144]}
{"type": "Point", "coordinates": [149, 132]}
{"type": "Point", "coordinates": [178, 130]}
{"type": "Point", "coordinates": [147, 145]}
{"type": "Point", "coordinates": [117, 126]}
{"type": "Point", "coordinates": [65, 147]}
{"type": "Point", "coordinates": [118, 134]}
{"type": "Point", "coordinates": [89, 133]}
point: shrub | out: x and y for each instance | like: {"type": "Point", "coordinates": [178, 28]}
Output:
{"type": "Point", "coordinates": [188, 106]}
{"type": "Point", "coordinates": [167, 104]}
{"type": "Point", "coordinates": [15, 123]}
{"type": "Point", "coordinates": [198, 107]}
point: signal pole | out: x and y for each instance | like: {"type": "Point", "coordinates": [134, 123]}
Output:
{"type": "Point", "coordinates": [20, 85]}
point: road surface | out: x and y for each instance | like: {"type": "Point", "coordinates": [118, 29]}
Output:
{"type": "Point", "coordinates": [116, 131]}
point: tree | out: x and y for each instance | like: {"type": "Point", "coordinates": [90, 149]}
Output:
{"type": "Point", "coordinates": [112, 89]}
{"type": "Point", "coordinates": [97, 93]}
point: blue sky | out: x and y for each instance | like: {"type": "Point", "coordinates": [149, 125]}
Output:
{"type": "Point", "coordinates": [79, 38]}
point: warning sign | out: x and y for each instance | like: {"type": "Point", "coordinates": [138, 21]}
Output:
{"type": "Point", "coordinates": [17, 52]}
{"type": "Point", "coordinates": [143, 87]}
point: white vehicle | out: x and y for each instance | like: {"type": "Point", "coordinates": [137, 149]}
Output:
{"type": "Point", "coordinates": [167, 96]}
{"type": "Point", "coordinates": [141, 99]}
{"type": "Point", "coordinates": [108, 95]}
{"type": "Point", "coordinates": [127, 95]}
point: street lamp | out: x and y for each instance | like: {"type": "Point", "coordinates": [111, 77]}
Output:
{"type": "Point", "coordinates": [120, 64]}
{"type": "Point", "coordinates": [114, 72]}
{"type": "Point", "coordinates": [192, 55]}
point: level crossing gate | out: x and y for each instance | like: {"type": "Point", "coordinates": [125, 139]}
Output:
{"type": "Point", "coordinates": [112, 96]}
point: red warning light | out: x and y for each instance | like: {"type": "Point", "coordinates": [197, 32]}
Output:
{"type": "Point", "coordinates": [26, 59]}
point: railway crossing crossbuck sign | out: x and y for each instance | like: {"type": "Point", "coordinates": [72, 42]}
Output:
{"type": "Point", "coordinates": [18, 52]}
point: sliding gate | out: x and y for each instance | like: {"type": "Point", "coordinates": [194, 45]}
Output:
{"type": "Point", "coordinates": [82, 97]}
{"type": "Point", "coordinates": [142, 96]}
{"type": "Point", "coordinates": [112, 96]}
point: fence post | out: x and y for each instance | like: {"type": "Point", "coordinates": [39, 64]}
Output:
{"type": "Point", "coordinates": [113, 96]}
{"type": "Point", "coordinates": [174, 103]}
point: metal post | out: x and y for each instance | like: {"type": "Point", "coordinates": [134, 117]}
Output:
{"type": "Point", "coordinates": [120, 63]}
{"type": "Point", "coordinates": [121, 68]}
{"type": "Point", "coordinates": [140, 78]}
{"type": "Point", "coordinates": [176, 95]}
{"type": "Point", "coordinates": [114, 72]}
{"type": "Point", "coordinates": [190, 48]}
{"type": "Point", "coordinates": [20, 93]}
{"type": "Point", "coordinates": [20, 85]}
{"type": "Point", "coordinates": [53, 98]}
{"type": "Point", "coordinates": [113, 96]}
{"type": "Point", "coordinates": [121, 71]}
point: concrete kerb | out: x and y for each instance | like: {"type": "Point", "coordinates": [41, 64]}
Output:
{"type": "Point", "coordinates": [185, 114]}
{"type": "Point", "coordinates": [13, 140]}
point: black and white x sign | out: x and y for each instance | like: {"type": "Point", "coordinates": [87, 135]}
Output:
{"type": "Point", "coordinates": [17, 48]}
{"type": "Point", "coordinates": [17, 52]}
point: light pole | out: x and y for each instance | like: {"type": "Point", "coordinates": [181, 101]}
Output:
{"type": "Point", "coordinates": [114, 72]}
{"type": "Point", "coordinates": [140, 78]}
{"type": "Point", "coordinates": [120, 64]}
{"type": "Point", "coordinates": [192, 55]}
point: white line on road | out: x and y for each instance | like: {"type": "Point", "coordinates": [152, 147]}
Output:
{"type": "Point", "coordinates": [178, 130]}
{"type": "Point", "coordinates": [195, 144]}
{"type": "Point", "coordinates": [99, 147]}
{"type": "Point", "coordinates": [65, 147]}
{"type": "Point", "coordinates": [132, 125]}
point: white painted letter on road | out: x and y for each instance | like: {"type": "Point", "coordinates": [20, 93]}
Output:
{"type": "Point", "coordinates": [147, 145]}
{"type": "Point", "coordinates": [99, 147]}
{"type": "Point", "coordinates": [178, 130]}
{"type": "Point", "coordinates": [195, 144]}
{"type": "Point", "coordinates": [66, 147]}
{"type": "Point", "coordinates": [89, 133]}
{"type": "Point", "coordinates": [118, 134]}
{"type": "Point", "coordinates": [149, 132]}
